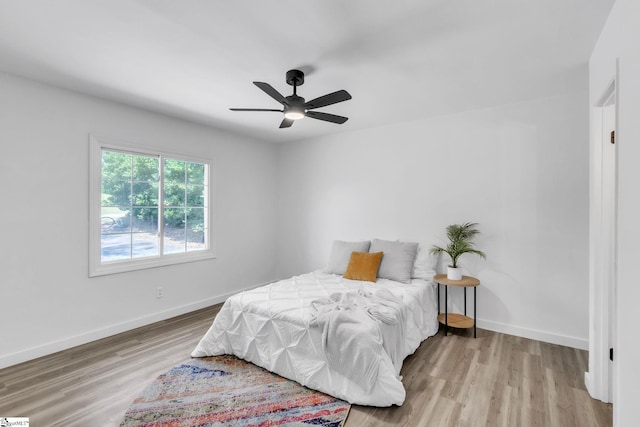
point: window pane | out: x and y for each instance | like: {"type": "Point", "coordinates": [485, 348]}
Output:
{"type": "Point", "coordinates": [123, 221]}
{"type": "Point", "coordinates": [174, 171]}
{"type": "Point", "coordinates": [114, 220]}
{"type": "Point", "coordinates": [107, 224]}
{"type": "Point", "coordinates": [116, 193]}
{"type": "Point", "coordinates": [195, 241]}
{"type": "Point", "coordinates": [145, 194]}
{"type": "Point", "coordinates": [174, 218]}
{"type": "Point", "coordinates": [115, 247]}
{"type": "Point", "coordinates": [195, 195]}
{"type": "Point", "coordinates": [144, 244]}
{"type": "Point", "coordinates": [174, 194]}
{"type": "Point", "coordinates": [195, 173]}
{"type": "Point", "coordinates": [174, 244]}
{"type": "Point", "coordinates": [145, 220]}
{"type": "Point", "coordinates": [116, 165]}
{"type": "Point", "coordinates": [145, 168]}
{"type": "Point", "coordinates": [195, 218]}
{"type": "Point", "coordinates": [195, 230]}
{"type": "Point", "coordinates": [174, 230]}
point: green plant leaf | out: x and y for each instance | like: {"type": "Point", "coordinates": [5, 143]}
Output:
{"type": "Point", "coordinates": [460, 242]}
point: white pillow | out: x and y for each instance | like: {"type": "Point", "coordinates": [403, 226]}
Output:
{"type": "Point", "coordinates": [425, 265]}
{"type": "Point", "coordinates": [397, 261]}
{"type": "Point", "coordinates": [341, 254]}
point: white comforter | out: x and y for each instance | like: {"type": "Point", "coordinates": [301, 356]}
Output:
{"type": "Point", "coordinates": [294, 328]}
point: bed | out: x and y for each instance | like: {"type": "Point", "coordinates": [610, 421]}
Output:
{"type": "Point", "coordinates": [347, 338]}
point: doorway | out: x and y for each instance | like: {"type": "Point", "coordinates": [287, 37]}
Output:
{"type": "Point", "coordinates": [610, 226]}
{"type": "Point", "coordinates": [600, 379]}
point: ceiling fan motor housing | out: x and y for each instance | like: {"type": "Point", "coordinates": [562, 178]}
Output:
{"type": "Point", "coordinates": [295, 101]}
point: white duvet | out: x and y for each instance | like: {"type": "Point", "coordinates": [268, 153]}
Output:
{"type": "Point", "coordinates": [343, 337]}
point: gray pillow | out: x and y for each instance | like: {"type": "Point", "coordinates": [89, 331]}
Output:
{"type": "Point", "coordinates": [341, 254]}
{"type": "Point", "coordinates": [425, 265]}
{"type": "Point", "coordinates": [397, 261]}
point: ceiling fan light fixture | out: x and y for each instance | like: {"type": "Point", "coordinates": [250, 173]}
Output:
{"type": "Point", "coordinates": [294, 114]}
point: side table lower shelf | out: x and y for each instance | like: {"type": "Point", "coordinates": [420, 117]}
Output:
{"type": "Point", "coordinates": [456, 320]}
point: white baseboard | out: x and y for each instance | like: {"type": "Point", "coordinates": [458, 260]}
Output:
{"type": "Point", "coordinates": [21, 356]}
{"type": "Point", "coordinates": [574, 342]}
{"type": "Point", "coordinates": [587, 384]}
{"type": "Point", "coordinates": [596, 388]}
{"type": "Point", "coordinates": [7, 360]}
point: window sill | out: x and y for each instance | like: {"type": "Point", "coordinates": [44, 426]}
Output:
{"type": "Point", "coordinates": [115, 267]}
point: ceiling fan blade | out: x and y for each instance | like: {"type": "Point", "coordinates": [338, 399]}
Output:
{"type": "Point", "coordinates": [332, 98]}
{"type": "Point", "coordinates": [326, 117]}
{"type": "Point", "coordinates": [286, 123]}
{"type": "Point", "coordinates": [254, 109]}
{"type": "Point", "coordinates": [269, 90]}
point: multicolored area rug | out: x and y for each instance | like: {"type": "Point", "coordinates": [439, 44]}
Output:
{"type": "Point", "coordinates": [227, 391]}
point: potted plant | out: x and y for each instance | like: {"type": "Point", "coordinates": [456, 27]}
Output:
{"type": "Point", "coordinates": [460, 242]}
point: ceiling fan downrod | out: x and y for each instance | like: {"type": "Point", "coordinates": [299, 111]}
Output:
{"type": "Point", "coordinates": [295, 78]}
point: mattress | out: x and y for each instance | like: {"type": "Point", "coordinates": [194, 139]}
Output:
{"type": "Point", "coordinates": [275, 327]}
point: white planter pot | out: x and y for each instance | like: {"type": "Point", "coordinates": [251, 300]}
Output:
{"type": "Point", "coordinates": [454, 273]}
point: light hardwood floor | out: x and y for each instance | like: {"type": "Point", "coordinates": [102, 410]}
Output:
{"type": "Point", "coordinates": [494, 380]}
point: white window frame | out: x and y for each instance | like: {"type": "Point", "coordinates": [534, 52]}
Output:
{"type": "Point", "coordinates": [99, 268]}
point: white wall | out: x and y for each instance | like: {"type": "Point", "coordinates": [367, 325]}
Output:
{"type": "Point", "coordinates": [619, 40]}
{"type": "Point", "coordinates": [48, 301]}
{"type": "Point", "coordinates": [520, 171]}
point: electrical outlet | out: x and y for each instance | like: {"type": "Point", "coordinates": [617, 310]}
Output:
{"type": "Point", "coordinates": [159, 292]}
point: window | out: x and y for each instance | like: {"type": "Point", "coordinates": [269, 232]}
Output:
{"type": "Point", "coordinates": [147, 208]}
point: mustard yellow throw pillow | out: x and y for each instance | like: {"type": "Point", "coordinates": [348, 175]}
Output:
{"type": "Point", "coordinates": [363, 266]}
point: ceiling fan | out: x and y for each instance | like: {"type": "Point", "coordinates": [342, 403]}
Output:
{"type": "Point", "coordinates": [295, 107]}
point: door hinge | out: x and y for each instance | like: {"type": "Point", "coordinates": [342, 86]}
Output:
{"type": "Point", "coordinates": [611, 354]}
{"type": "Point", "coordinates": [613, 136]}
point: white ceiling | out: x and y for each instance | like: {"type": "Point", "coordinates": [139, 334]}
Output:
{"type": "Point", "coordinates": [400, 60]}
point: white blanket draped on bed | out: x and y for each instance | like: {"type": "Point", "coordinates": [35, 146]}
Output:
{"type": "Point", "coordinates": [350, 326]}
{"type": "Point", "coordinates": [343, 337]}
